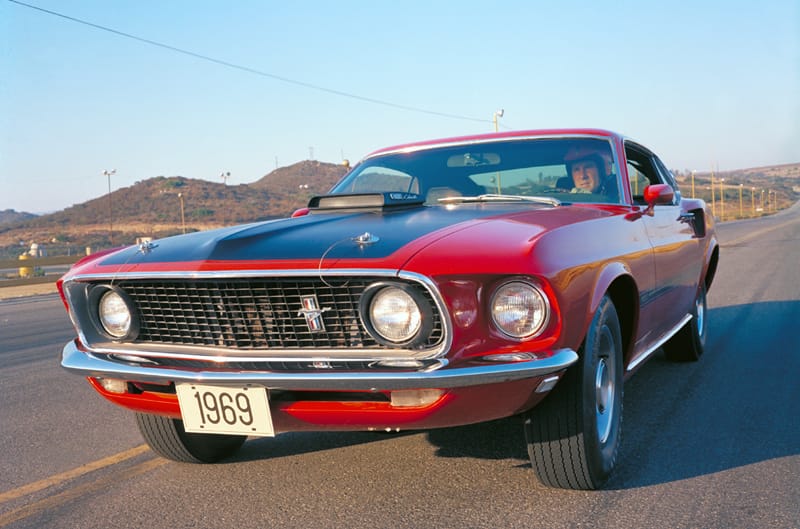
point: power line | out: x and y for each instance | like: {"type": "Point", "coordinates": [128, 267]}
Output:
{"type": "Point", "coordinates": [249, 69]}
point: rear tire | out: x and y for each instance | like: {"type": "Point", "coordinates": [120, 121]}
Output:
{"type": "Point", "coordinates": [167, 438]}
{"type": "Point", "coordinates": [688, 343]}
{"type": "Point", "coordinates": [574, 435]}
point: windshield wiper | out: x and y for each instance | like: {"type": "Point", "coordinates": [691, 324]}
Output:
{"type": "Point", "coordinates": [500, 198]}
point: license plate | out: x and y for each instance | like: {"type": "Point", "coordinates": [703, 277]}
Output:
{"type": "Point", "coordinates": [240, 410]}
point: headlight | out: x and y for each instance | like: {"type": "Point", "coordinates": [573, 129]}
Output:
{"type": "Point", "coordinates": [395, 314]}
{"type": "Point", "coordinates": [113, 313]}
{"type": "Point", "coordinates": [519, 309]}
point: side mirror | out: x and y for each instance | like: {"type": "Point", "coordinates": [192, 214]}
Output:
{"type": "Point", "coordinates": [302, 212]}
{"type": "Point", "coordinates": [658, 194]}
{"type": "Point", "coordinates": [654, 195]}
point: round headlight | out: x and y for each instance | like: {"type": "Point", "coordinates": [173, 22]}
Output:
{"type": "Point", "coordinates": [519, 309]}
{"type": "Point", "coordinates": [114, 314]}
{"type": "Point", "coordinates": [395, 315]}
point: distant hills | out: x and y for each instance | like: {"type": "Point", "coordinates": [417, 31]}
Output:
{"type": "Point", "coordinates": [9, 216]}
{"type": "Point", "coordinates": [152, 207]}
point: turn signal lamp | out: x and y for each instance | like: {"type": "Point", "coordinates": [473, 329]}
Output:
{"type": "Point", "coordinates": [409, 398]}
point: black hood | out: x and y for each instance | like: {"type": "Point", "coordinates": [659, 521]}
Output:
{"type": "Point", "coordinates": [308, 237]}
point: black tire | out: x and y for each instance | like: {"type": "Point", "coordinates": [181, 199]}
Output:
{"type": "Point", "coordinates": [688, 343]}
{"type": "Point", "coordinates": [574, 434]}
{"type": "Point", "coordinates": [167, 438]}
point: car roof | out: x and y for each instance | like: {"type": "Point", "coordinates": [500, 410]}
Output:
{"type": "Point", "coordinates": [495, 136]}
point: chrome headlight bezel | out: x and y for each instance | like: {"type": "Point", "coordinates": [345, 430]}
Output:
{"type": "Point", "coordinates": [519, 309]}
{"type": "Point", "coordinates": [382, 293]}
{"type": "Point", "coordinates": [113, 313]}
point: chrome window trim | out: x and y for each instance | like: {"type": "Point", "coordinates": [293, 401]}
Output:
{"type": "Point", "coordinates": [483, 141]}
{"type": "Point", "coordinates": [286, 355]}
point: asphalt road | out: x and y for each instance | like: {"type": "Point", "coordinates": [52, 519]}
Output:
{"type": "Point", "coordinates": [715, 444]}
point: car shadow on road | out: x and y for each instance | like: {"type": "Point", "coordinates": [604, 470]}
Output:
{"type": "Point", "coordinates": [736, 407]}
{"type": "Point", "coordinates": [682, 420]}
{"type": "Point", "coordinates": [296, 443]}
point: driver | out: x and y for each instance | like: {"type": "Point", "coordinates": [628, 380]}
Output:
{"type": "Point", "coordinates": [591, 172]}
{"type": "Point", "coordinates": [586, 176]}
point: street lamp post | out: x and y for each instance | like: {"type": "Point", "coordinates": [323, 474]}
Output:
{"type": "Point", "coordinates": [110, 209]}
{"type": "Point", "coordinates": [722, 199]}
{"type": "Point", "coordinates": [741, 209]}
{"type": "Point", "coordinates": [497, 114]}
{"type": "Point", "coordinates": [183, 218]}
{"type": "Point", "coordinates": [713, 201]}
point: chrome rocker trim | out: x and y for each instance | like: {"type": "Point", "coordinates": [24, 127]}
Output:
{"type": "Point", "coordinates": [90, 365]}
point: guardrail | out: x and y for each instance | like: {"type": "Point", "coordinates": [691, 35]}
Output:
{"type": "Point", "coordinates": [40, 261]}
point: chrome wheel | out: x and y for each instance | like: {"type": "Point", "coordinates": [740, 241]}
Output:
{"type": "Point", "coordinates": [604, 408]}
{"type": "Point", "coordinates": [688, 343]}
{"type": "Point", "coordinates": [700, 313]}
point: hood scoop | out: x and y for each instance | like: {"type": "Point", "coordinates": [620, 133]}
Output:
{"type": "Point", "coordinates": [365, 201]}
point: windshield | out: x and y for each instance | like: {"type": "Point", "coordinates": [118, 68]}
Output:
{"type": "Point", "coordinates": [567, 169]}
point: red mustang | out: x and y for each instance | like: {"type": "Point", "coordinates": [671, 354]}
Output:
{"type": "Point", "coordinates": [439, 283]}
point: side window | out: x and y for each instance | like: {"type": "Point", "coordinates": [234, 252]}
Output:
{"type": "Point", "coordinates": [642, 172]}
{"type": "Point", "coordinates": [668, 178]}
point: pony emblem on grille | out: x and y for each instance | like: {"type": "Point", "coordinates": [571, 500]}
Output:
{"type": "Point", "coordinates": [312, 313]}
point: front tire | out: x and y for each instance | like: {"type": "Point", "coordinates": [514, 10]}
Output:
{"type": "Point", "coordinates": [689, 343]}
{"type": "Point", "coordinates": [167, 438]}
{"type": "Point", "coordinates": [574, 435]}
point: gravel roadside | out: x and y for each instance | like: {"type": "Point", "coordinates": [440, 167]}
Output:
{"type": "Point", "coordinates": [24, 291]}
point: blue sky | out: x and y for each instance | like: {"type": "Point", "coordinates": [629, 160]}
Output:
{"type": "Point", "coordinates": [705, 83]}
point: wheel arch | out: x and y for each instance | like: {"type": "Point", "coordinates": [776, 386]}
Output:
{"type": "Point", "coordinates": [711, 267]}
{"type": "Point", "coordinates": [617, 282]}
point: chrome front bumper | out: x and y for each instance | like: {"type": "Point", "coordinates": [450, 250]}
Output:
{"type": "Point", "coordinates": [90, 365]}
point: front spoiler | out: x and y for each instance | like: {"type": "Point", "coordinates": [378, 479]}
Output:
{"type": "Point", "coordinates": [92, 365]}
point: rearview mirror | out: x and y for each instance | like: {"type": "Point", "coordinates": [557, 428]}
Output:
{"type": "Point", "coordinates": [473, 159]}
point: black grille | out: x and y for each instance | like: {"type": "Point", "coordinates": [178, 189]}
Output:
{"type": "Point", "coordinates": [262, 313]}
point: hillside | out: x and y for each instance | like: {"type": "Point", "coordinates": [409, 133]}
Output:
{"type": "Point", "coordinates": [318, 176]}
{"type": "Point", "coordinates": [153, 208]}
{"type": "Point", "coordinates": [745, 192]}
{"type": "Point", "coordinates": [9, 216]}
